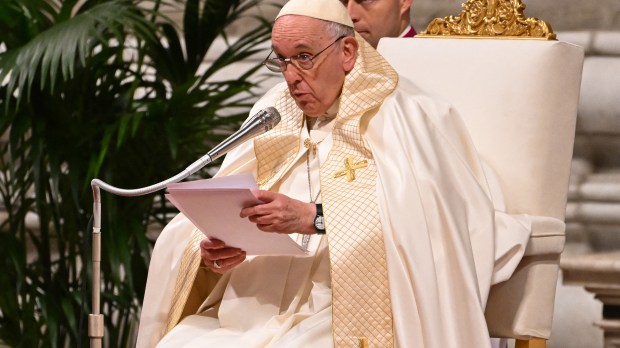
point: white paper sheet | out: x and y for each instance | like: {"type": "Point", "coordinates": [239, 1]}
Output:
{"type": "Point", "coordinates": [213, 205]}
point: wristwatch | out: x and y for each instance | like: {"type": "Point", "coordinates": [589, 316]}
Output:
{"type": "Point", "coordinates": [319, 224]}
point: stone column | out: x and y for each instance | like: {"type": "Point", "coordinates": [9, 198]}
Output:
{"type": "Point", "coordinates": [599, 274]}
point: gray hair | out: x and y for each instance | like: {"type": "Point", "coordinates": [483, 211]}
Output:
{"type": "Point", "coordinates": [337, 30]}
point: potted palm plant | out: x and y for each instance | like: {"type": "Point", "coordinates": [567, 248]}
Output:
{"type": "Point", "coordinates": [111, 89]}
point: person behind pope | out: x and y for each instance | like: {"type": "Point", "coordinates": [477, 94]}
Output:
{"type": "Point", "coordinates": [381, 184]}
{"type": "Point", "coordinates": [374, 19]}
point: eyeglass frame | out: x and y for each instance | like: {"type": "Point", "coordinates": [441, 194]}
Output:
{"type": "Point", "coordinates": [284, 62]}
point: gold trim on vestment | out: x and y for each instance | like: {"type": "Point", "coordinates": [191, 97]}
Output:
{"type": "Point", "coordinates": [276, 149]}
{"type": "Point", "coordinates": [496, 19]}
{"type": "Point", "coordinates": [360, 289]}
{"type": "Point", "coordinates": [362, 311]}
{"type": "Point", "coordinates": [190, 262]}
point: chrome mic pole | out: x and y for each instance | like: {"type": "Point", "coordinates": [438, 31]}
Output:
{"type": "Point", "coordinates": [95, 320]}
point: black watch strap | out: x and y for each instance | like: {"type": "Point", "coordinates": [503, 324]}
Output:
{"type": "Point", "coordinates": [319, 223]}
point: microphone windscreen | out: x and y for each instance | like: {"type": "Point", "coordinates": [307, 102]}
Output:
{"type": "Point", "coordinates": [273, 117]}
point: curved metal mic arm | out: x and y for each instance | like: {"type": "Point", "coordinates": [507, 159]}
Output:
{"type": "Point", "coordinates": [259, 123]}
{"type": "Point", "coordinates": [95, 320]}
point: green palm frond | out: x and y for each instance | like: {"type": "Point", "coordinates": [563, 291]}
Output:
{"type": "Point", "coordinates": [110, 89]}
{"type": "Point", "coordinates": [59, 49]}
{"type": "Point", "coordinates": [21, 20]}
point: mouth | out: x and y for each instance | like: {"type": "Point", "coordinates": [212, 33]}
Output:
{"type": "Point", "coordinates": [298, 94]}
{"type": "Point", "coordinates": [361, 30]}
{"type": "Point", "coordinates": [302, 97]}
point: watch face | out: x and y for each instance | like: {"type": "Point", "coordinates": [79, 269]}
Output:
{"type": "Point", "coordinates": [318, 223]}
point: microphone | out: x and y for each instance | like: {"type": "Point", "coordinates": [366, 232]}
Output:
{"type": "Point", "coordinates": [261, 122]}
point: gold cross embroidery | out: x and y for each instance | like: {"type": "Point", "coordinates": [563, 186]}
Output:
{"type": "Point", "coordinates": [349, 168]}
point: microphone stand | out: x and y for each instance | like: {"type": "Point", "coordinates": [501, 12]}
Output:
{"type": "Point", "coordinates": [261, 122]}
{"type": "Point", "coordinates": [95, 320]}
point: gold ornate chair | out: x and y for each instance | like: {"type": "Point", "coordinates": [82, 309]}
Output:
{"type": "Point", "coordinates": [517, 89]}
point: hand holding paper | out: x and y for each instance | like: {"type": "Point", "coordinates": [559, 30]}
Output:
{"type": "Point", "coordinates": [219, 257]}
{"type": "Point", "coordinates": [214, 206]}
{"type": "Point", "coordinates": [281, 214]}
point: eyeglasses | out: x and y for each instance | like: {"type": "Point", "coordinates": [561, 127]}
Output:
{"type": "Point", "coordinates": [303, 61]}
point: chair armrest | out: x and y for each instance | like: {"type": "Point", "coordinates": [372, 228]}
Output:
{"type": "Point", "coordinates": [548, 236]}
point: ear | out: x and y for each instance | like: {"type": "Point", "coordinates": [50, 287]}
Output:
{"type": "Point", "coordinates": [349, 52]}
{"type": "Point", "coordinates": [405, 5]}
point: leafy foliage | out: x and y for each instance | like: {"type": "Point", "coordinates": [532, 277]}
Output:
{"type": "Point", "coordinates": [109, 89]}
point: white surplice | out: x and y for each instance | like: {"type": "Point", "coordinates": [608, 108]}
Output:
{"type": "Point", "coordinates": [445, 242]}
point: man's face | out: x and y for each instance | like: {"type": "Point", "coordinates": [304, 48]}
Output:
{"type": "Point", "coordinates": [317, 88]}
{"type": "Point", "coordinates": [375, 19]}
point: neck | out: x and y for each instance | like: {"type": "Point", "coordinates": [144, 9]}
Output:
{"type": "Point", "coordinates": [332, 111]}
{"type": "Point", "coordinates": [310, 121]}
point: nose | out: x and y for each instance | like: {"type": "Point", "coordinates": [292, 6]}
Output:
{"type": "Point", "coordinates": [291, 74]}
{"type": "Point", "coordinates": [353, 9]}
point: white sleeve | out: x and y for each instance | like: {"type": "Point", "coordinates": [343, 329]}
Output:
{"type": "Point", "coordinates": [512, 232]}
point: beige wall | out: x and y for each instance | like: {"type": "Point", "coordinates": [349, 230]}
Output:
{"type": "Point", "coordinates": [563, 15]}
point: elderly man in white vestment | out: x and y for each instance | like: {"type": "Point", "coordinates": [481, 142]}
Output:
{"type": "Point", "coordinates": [411, 242]}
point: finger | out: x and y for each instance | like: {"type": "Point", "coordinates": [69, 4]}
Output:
{"type": "Point", "coordinates": [266, 196]}
{"type": "Point", "coordinates": [260, 208]}
{"type": "Point", "coordinates": [209, 255]}
{"type": "Point", "coordinates": [207, 243]}
{"type": "Point", "coordinates": [272, 228]}
{"type": "Point", "coordinates": [257, 210]}
{"type": "Point", "coordinates": [215, 266]}
{"type": "Point", "coordinates": [228, 263]}
{"type": "Point", "coordinates": [250, 211]}
{"type": "Point", "coordinates": [270, 219]}
{"type": "Point", "coordinates": [265, 227]}
{"type": "Point", "coordinates": [273, 201]}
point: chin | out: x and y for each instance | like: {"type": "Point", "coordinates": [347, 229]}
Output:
{"type": "Point", "coordinates": [313, 113]}
{"type": "Point", "coordinates": [310, 110]}
{"type": "Point", "coordinates": [366, 36]}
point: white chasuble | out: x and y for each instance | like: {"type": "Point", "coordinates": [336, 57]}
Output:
{"type": "Point", "coordinates": [437, 220]}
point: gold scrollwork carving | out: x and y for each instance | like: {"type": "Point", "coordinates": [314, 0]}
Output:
{"type": "Point", "coordinates": [490, 18]}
